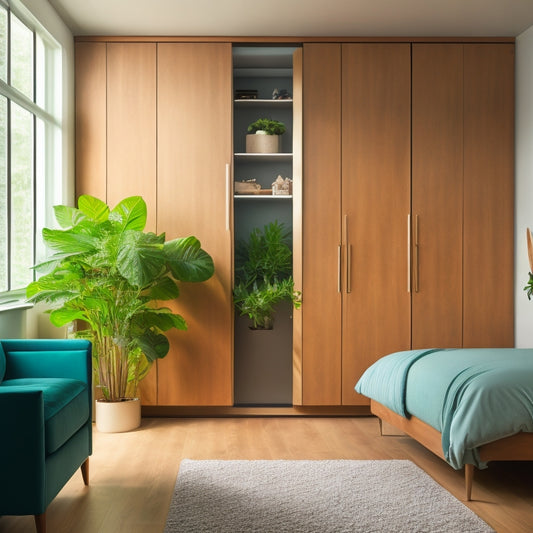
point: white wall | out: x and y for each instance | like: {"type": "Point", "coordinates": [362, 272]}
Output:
{"type": "Point", "coordinates": [524, 184]}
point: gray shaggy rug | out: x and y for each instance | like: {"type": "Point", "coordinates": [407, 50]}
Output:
{"type": "Point", "coordinates": [314, 496]}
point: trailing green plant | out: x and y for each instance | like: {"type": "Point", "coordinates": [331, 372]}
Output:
{"type": "Point", "coordinates": [107, 272]}
{"type": "Point", "coordinates": [263, 274]}
{"type": "Point", "coordinates": [270, 127]}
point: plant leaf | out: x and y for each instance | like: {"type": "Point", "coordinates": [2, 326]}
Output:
{"type": "Point", "coordinates": [93, 208]}
{"type": "Point", "coordinates": [131, 213]}
{"type": "Point", "coordinates": [62, 317]}
{"type": "Point", "coordinates": [67, 242]}
{"type": "Point", "coordinates": [187, 260]}
{"type": "Point", "coordinates": [67, 216]}
{"type": "Point", "coordinates": [164, 289]}
{"type": "Point", "coordinates": [153, 345]}
{"type": "Point", "coordinates": [163, 319]}
{"type": "Point", "coordinates": [140, 257]}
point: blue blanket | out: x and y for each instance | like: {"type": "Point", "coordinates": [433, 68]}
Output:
{"type": "Point", "coordinates": [472, 396]}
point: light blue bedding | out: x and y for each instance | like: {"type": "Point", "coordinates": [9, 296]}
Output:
{"type": "Point", "coordinates": [472, 396]}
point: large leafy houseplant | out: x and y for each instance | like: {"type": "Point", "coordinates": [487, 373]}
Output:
{"type": "Point", "coordinates": [263, 274]}
{"type": "Point", "coordinates": [107, 272]}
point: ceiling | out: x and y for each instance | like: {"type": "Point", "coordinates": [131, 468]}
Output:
{"type": "Point", "coordinates": [393, 18]}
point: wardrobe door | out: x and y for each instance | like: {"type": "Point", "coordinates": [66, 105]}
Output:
{"type": "Point", "coordinates": [489, 195]}
{"type": "Point", "coordinates": [131, 141]}
{"type": "Point", "coordinates": [321, 308]}
{"type": "Point", "coordinates": [194, 132]}
{"type": "Point", "coordinates": [131, 124]}
{"type": "Point", "coordinates": [91, 105]}
{"type": "Point", "coordinates": [437, 195]}
{"type": "Point", "coordinates": [376, 85]}
{"type": "Point", "coordinates": [116, 132]}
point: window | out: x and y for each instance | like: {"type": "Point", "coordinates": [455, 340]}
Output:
{"type": "Point", "coordinates": [30, 141]}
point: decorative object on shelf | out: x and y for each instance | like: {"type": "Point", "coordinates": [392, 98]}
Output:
{"type": "Point", "coordinates": [247, 187]}
{"type": "Point", "coordinates": [282, 187]}
{"type": "Point", "coordinates": [246, 94]}
{"type": "Point", "coordinates": [264, 136]}
{"type": "Point", "coordinates": [108, 272]}
{"type": "Point", "coordinates": [529, 286]}
{"type": "Point", "coordinates": [263, 274]}
{"type": "Point", "coordinates": [281, 94]}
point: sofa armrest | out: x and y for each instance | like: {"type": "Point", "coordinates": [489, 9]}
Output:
{"type": "Point", "coordinates": [22, 447]}
{"type": "Point", "coordinates": [48, 358]}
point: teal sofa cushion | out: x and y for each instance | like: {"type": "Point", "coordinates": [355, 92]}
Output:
{"type": "Point", "coordinates": [66, 406]}
{"type": "Point", "coordinates": [2, 363]}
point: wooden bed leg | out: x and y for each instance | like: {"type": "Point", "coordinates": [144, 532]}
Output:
{"type": "Point", "coordinates": [469, 478]}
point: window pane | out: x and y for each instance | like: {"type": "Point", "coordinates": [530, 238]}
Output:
{"type": "Point", "coordinates": [21, 57]}
{"type": "Point", "coordinates": [21, 196]}
{"type": "Point", "coordinates": [40, 73]}
{"type": "Point", "coordinates": [3, 194]}
{"type": "Point", "coordinates": [3, 44]}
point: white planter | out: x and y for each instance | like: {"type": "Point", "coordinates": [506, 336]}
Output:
{"type": "Point", "coordinates": [117, 417]}
{"type": "Point", "coordinates": [262, 144]}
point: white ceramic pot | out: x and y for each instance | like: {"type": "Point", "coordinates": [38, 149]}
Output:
{"type": "Point", "coordinates": [262, 144]}
{"type": "Point", "coordinates": [117, 417]}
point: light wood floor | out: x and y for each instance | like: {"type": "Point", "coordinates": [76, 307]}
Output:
{"type": "Point", "coordinates": [132, 475]}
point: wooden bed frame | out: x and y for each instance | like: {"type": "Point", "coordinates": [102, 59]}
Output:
{"type": "Point", "coordinates": [519, 447]}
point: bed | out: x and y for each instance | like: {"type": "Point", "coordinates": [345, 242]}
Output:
{"type": "Point", "coordinates": [468, 406]}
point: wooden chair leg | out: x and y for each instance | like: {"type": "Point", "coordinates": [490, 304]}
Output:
{"type": "Point", "coordinates": [469, 478]}
{"type": "Point", "coordinates": [85, 471]}
{"type": "Point", "coordinates": [40, 522]}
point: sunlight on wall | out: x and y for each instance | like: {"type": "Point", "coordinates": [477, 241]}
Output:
{"type": "Point", "coordinates": [524, 184]}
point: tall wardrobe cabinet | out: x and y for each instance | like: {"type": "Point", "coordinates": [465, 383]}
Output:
{"type": "Point", "coordinates": [149, 122]}
{"type": "Point", "coordinates": [408, 158]}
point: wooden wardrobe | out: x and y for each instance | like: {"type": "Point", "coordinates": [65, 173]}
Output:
{"type": "Point", "coordinates": [407, 197]}
{"type": "Point", "coordinates": [414, 243]}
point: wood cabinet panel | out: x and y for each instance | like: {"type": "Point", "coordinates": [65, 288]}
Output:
{"type": "Point", "coordinates": [91, 105]}
{"type": "Point", "coordinates": [376, 151]}
{"type": "Point", "coordinates": [489, 195]}
{"type": "Point", "coordinates": [194, 147]}
{"type": "Point", "coordinates": [131, 124]}
{"type": "Point", "coordinates": [321, 308]}
{"type": "Point", "coordinates": [131, 141]}
{"type": "Point", "coordinates": [437, 195]}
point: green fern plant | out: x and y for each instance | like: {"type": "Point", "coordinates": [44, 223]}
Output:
{"type": "Point", "coordinates": [263, 274]}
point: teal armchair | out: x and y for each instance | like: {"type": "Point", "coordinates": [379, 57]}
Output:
{"type": "Point", "coordinates": [45, 421]}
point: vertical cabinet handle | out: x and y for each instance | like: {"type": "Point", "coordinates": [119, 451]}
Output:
{"type": "Point", "coordinates": [228, 196]}
{"type": "Point", "coordinates": [339, 268]}
{"type": "Point", "coordinates": [348, 268]}
{"type": "Point", "coordinates": [409, 252]}
{"type": "Point", "coordinates": [348, 256]}
{"type": "Point", "coordinates": [416, 259]}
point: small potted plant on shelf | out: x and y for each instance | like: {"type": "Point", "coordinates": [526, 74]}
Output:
{"type": "Point", "coordinates": [264, 136]}
{"type": "Point", "coordinates": [108, 273]}
{"type": "Point", "coordinates": [263, 275]}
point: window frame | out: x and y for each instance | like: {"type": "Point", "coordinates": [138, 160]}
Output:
{"type": "Point", "coordinates": [47, 156]}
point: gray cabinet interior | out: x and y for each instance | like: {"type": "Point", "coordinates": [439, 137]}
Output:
{"type": "Point", "coordinates": [262, 359]}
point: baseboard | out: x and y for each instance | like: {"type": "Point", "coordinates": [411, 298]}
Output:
{"type": "Point", "coordinates": [250, 411]}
